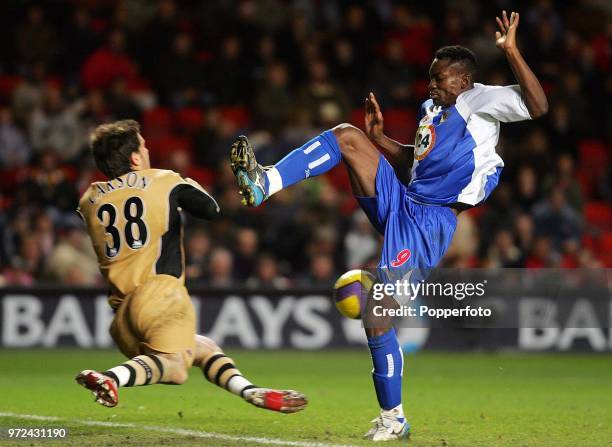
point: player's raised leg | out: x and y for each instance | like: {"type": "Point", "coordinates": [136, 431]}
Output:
{"type": "Point", "coordinates": [221, 370]}
{"type": "Point", "coordinates": [317, 156]}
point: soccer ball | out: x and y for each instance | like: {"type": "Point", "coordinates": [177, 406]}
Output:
{"type": "Point", "coordinates": [351, 291]}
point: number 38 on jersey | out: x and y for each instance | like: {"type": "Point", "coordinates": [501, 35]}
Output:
{"type": "Point", "coordinates": [424, 141]}
{"type": "Point", "coordinates": [134, 233]}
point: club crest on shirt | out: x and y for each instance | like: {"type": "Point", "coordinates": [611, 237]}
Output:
{"type": "Point", "coordinates": [424, 141]}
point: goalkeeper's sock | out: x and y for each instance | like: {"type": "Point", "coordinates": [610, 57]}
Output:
{"type": "Point", "coordinates": [315, 157]}
{"type": "Point", "coordinates": [219, 369]}
{"type": "Point", "coordinates": [141, 370]}
{"type": "Point", "coordinates": [388, 361]}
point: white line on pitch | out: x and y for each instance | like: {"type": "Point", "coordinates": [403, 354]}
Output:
{"type": "Point", "coordinates": [177, 431]}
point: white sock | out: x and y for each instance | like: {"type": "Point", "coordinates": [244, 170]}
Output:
{"type": "Point", "coordinates": [275, 181]}
{"type": "Point", "coordinates": [399, 411]}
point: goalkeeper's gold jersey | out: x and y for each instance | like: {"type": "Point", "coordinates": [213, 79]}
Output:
{"type": "Point", "coordinates": [135, 227]}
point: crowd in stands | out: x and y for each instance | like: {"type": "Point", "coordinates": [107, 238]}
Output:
{"type": "Point", "coordinates": [196, 74]}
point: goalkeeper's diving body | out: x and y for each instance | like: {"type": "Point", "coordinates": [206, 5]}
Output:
{"type": "Point", "coordinates": [453, 166]}
{"type": "Point", "coordinates": [134, 222]}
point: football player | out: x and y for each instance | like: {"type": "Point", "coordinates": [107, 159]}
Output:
{"type": "Point", "coordinates": [453, 166]}
{"type": "Point", "coordinates": [135, 226]}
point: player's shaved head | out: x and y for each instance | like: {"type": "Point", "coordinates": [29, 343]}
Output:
{"type": "Point", "coordinates": [112, 146]}
{"type": "Point", "coordinates": [463, 57]}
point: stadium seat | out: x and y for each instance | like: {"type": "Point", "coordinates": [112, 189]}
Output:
{"type": "Point", "coordinates": [157, 120]}
{"type": "Point", "coordinates": [137, 84]}
{"type": "Point", "coordinates": [161, 146]}
{"type": "Point", "coordinates": [400, 124]}
{"type": "Point", "coordinates": [357, 117]}
{"type": "Point", "coordinates": [586, 180]}
{"type": "Point", "coordinates": [7, 85]}
{"type": "Point", "coordinates": [189, 119]}
{"type": "Point", "coordinates": [477, 212]}
{"type": "Point", "coordinates": [203, 176]}
{"type": "Point", "coordinates": [599, 215]}
{"type": "Point", "coordinates": [420, 88]}
{"type": "Point", "coordinates": [238, 115]}
{"type": "Point", "coordinates": [593, 157]}
{"type": "Point", "coordinates": [605, 243]}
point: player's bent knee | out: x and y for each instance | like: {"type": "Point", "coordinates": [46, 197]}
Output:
{"type": "Point", "coordinates": [349, 138]}
{"type": "Point", "coordinates": [177, 375]}
{"type": "Point", "coordinates": [176, 369]}
{"type": "Point", "coordinates": [180, 376]}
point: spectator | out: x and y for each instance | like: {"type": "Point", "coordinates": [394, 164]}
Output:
{"type": "Point", "coordinates": [29, 93]}
{"type": "Point", "coordinates": [48, 186]}
{"type": "Point", "coordinates": [542, 255]}
{"type": "Point", "coordinates": [245, 253]}
{"type": "Point", "coordinates": [565, 180]}
{"type": "Point", "coordinates": [28, 264]}
{"type": "Point", "coordinates": [274, 103]}
{"type": "Point", "coordinates": [14, 148]}
{"type": "Point", "coordinates": [73, 261]}
{"type": "Point", "coordinates": [325, 101]}
{"type": "Point", "coordinates": [120, 103]}
{"type": "Point", "coordinates": [36, 38]}
{"type": "Point", "coordinates": [221, 268]}
{"type": "Point", "coordinates": [78, 40]}
{"type": "Point", "coordinates": [526, 188]}
{"type": "Point", "coordinates": [391, 77]}
{"type": "Point", "coordinates": [321, 272]}
{"type": "Point", "coordinates": [180, 76]}
{"type": "Point", "coordinates": [504, 253]}
{"type": "Point", "coordinates": [361, 242]}
{"type": "Point", "coordinates": [267, 274]}
{"type": "Point", "coordinates": [229, 76]}
{"type": "Point", "coordinates": [556, 220]}
{"type": "Point", "coordinates": [108, 63]}
{"type": "Point", "coordinates": [55, 126]}
{"type": "Point", "coordinates": [160, 33]}
{"type": "Point", "coordinates": [197, 252]}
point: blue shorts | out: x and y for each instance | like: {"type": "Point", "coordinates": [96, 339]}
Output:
{"type": "Point", "coordinates": [416, 236]}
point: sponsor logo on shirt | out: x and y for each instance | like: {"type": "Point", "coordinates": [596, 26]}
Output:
{"type": "Point", "coordinates": [424, 141]}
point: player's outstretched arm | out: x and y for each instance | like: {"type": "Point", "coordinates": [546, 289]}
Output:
{"type": "Point", "coordinates": [505, 39]}
{"type": "Point", "coordinates": [399, 155]}
{"type": "Point", "coordinates": [191, 197]}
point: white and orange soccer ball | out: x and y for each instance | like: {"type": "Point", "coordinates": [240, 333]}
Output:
{"type": "Point", "coordinates": [351, 292]}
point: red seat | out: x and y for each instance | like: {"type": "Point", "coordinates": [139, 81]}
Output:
{"type": "Point", "coordinates": [8, 84]}
{"type": "Point", "coordinates": [357, 117]}
{"type": "Point", "coordinates": [189, 119]}
{"type": "Point", "coordinates": [593, 157]}
{"type": "Point", "coordinates": [605, 243]}
{"type": "Point", "coordinates": [420, 88]}
{"type": "Point", "coordinates": [598, 214]}
{"type": "Point", "coordinates": [203, 176]}
{"type": "Point", "coordinates": [400, 124]}
{"type": "Point", "coordinates": [586, 180]}
{"type": "Point", "coordinates": [238, 115]}
{"type": "Point", "coordinates": [605, 259]}
{"type": "Point", "coordinates": [157, 120]}
{"type": "Point", "coordinates": [161, 146]}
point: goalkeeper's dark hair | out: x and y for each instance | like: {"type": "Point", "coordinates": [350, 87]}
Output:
{"type": "Point", "coordinates": [460, 55]}
{"type": "Point", "coordinates": [112, 145]}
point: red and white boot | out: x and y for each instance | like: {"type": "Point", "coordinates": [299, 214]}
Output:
{"type": "Point", "coordinates": [102, 387]}
{"type": "Point", "coordinates": [285, 401]}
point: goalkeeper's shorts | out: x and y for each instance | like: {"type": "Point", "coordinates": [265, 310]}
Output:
{"type": "Point", "coordinates": [157, 317]}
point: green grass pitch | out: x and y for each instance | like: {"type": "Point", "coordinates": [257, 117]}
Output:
{"type": "Point", "coordinates": [461, 399]}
